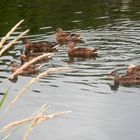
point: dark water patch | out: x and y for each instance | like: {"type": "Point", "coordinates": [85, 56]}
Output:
{"type": "Point", "coordinates": [36, 91]}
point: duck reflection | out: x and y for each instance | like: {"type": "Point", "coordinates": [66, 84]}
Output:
{"type": "Point", "coordinates": [75, 59]}
{"type": "Point", "coordinates": [115, 86]}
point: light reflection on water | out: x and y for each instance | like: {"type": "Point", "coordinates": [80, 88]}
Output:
{"type": "Point", "coordinates": [100, 109]}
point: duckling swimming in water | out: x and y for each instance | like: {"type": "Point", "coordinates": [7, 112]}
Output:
{"type": "Point", "coordinates": [39, 47]}
{"type": "Point", "coordinates": [32, 69]}
{"type": "Point", "coordinates": [25, 57]}
{"type": "Point", "coordinates": [80, 52]}
{"type": "Point", "coordinates": [63, 37]}
{"type": "Point", "coordinates": [125, 78]}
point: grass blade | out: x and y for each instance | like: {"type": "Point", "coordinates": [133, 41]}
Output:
{"type": "Point", "coordinates": [3, 98]}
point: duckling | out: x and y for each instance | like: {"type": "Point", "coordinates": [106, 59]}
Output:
{"type": "Point", "coordinates": [64, 37]}
{"type": "Point", "coordinates": [32, 69]}
{"type": "Point", "coordinates": [25, 57]}
{"type": "Point", "coordinates": [38, 47]}
{"type": "Point", "coordinates": [80, 52]}
{"type": "Point", "coordinates": [125, 79]}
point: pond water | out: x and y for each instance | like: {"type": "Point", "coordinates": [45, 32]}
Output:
{"type": "Point", "coordinates": [100, 109]}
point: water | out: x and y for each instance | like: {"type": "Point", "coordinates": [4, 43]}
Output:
{"type": "Point", "coordinates": [100, 109]}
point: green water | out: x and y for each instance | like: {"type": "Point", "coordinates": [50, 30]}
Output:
{"type": "Point", "coordinates": [69, 14]}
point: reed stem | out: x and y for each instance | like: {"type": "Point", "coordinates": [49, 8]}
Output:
{"type": "Point", "coordinates": [13, 42]}
{"type": "Point", "coordinates": [9, 33]}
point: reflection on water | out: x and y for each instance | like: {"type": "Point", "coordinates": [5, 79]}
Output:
{"type": "Point", "coordinates": [101, 109]}
{"type": "Point", "coordinates": [125, 5]}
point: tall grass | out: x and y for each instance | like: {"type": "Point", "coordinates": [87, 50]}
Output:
{"type": "Point", "coordinates": [40, 116]}
{"type": "Point", "coordinates": [9, 33]}
{"type": "Point", "coordinates": [3, 49]}
{"type": "Point", "coordinates": [26, 86]}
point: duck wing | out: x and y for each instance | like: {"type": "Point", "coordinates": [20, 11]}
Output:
{"type": "Point", "coordinates": [83, 52]}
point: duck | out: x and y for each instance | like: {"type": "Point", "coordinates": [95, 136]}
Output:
{"type": "Point", "coordinates": [133, 69]}
{"type": "Point", "coordinates": [38, 47]}
{"type": "Point", "coordinates": [80, 52]}
{"type": "Point", "coordinates": [26, 57]}
{"type": "Point", "coordinates": [30, 70]}
{"type": "Point", "coordinates": [63, 37]}
{"type": "Point", "coordinates": [125, 78]}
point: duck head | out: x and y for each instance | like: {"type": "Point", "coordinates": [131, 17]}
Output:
{"type": "Point", "coordinates": [26, 41]}
{"type": "Point", "coordinates": [59, 32]}
{"type": "Point", "coordinates": [113, 75]}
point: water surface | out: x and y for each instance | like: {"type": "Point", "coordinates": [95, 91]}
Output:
{"type": "Point", "coordinates": [100, 109]}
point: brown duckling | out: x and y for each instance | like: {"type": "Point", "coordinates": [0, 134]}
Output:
{"type": "Point", "coordinates": [125, 79]}
{"type": "Point", "coordinates": [132, 69]}
{"type": "Point", "coordinates": [25, 57]}
{"type": "Point", "coordinates": [80, 52]}
{"type": "Point", "coordinates": [64, 37]}
{"type": "Point", "coordinates": [39, 47]}
{"type": "Point", "coordinates": [32, 69]}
